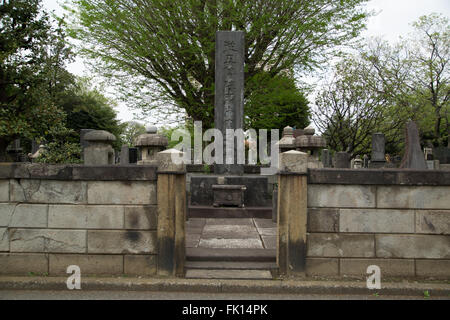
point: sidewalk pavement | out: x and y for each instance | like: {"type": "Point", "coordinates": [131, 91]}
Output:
{"type": "Point", "coordinates": [285, 286]}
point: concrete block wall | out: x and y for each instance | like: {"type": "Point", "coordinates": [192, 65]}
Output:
{"type": "Point", "coordinates": [396, 219]}
{"type": "Point", "coordinates": [103, 219]}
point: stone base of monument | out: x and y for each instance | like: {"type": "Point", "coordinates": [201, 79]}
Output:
{"type": "Point", "coordinates": [377, 164]}
{"type": "Point", "coordinates": [228, 195]}
{"type": "Point", "coordinates": [221, 196]}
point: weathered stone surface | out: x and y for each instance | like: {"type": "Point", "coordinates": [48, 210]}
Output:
{"type": "Point", "coordinates": [99, 135]}
{"type": "Point", "coordinates": [114, 173]}
{"type": "Point", "coordinates": [439, 269]}
{"type": "Point", "coordinates": [293, 161]}
{"type": "Point", "coordinates": [229, 90]}
{"type": "Point", "coordinates": [256, 194]}
{"type": "Point", "coordinates": [376, 221]}
{"type": "Point", "coordinates": [228, 274]}
{"type": "Point", "coordinates": [326, 158]}
{"type": "Point", "coordinates": [192, 239]}
{"type": "Point", "coordinates": [140, 265]}
{"type": "Point", "coordinates": [170, 161]}
{"type": "Point", "coordinates": [121, 192]}
{"type": "Point", "coordinates": [6, 210]}
{"type": "Point", "coordinates": [89, 264]}
{"type": "Point", "coordinates": [308, 141]}
{"type": "Point", "coordinates": [414, 157]}
{"type": "Point", "coordinates": [231, 222]}
{"type": "Point", "coordinates": [267, 231]}
{"type": "Point", "coordinates": [340, 245]}
{"type": "Point", "coordinates": [322, 267]}
{"type": "Point", "coordinates": [433, 221]}
{"type": "Point", "coordinates": [341, 196]}
{"type": "Point", "coordinates": [389, 267]}
{"type": "Point", "coordinates": [323, 220]}
{"type": "Point", "coordinates": [265, 223]}
{"type": "Point", "coordinates": [379, 177]}
{"type": "Point", "coordinates": [141, 217]}
{"type": "Point", "coordinates": [413, 246]}
{"type": "Point", "coordinates": [85, 217]}
{"type": "Point", "coordinates": [48, 191]}
{"type": "Point", "coordinates": [342, 160]}
{"type": "Point", "coordinates": [45, 240]}
{"type": "Point", "coordinates": [269, 242]}
{"type": "Point", "coordinates": [134, 242]}
{"type": "Point", "coordinates": [378, 147]}
{"type": "Point", "coordinates": [23, 264]}
{"type": "Point", "coordinates": [4, 239]}
{"type": "Point", "coordinates": [125, 155]}
{"type": "Point", "coordinates": [287, 142]}
{"type": "Point", "coordinates": [229, 232]}
{"type": "Point", "coordinates": [4, 190]}
{"type": "Point", "coordinates": [151, 140]}
{"type": "Point", "coordinates": [23, 215]}
{"type": "Point", "coordinates": [231, 243]}
{"type": "Point", "coordinates": [418, 197]}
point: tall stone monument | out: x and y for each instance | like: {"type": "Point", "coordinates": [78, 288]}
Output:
{"type": "Point", "coordinates": [378, 159]}
{"type": "Point", "coordinates": [414, 157]}
{"type": "Point", "coordinates": [229, 93]}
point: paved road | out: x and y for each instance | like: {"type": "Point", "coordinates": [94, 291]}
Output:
{"type": "Point", "coordinates": [139, 295]}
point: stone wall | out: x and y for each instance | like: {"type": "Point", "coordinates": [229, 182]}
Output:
{"type": "Point", "coordinates": [396, 219]}
{"type": "Point", "coordinates": [103, 219]}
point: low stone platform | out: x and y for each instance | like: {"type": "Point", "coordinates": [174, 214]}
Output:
{"type": "Point", "coordinates": [231, 233]}
{"type": "Point", "coordinates": [229, 212]}
{"type": "Point", "coordinates": [230, 248]}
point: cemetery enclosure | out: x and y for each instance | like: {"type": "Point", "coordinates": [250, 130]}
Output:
{"type": "Point", "coordinates": [130, 220]}
{"type": "Point", "coordinates": [398, 220]}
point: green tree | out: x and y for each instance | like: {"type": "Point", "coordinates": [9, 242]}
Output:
{"type": "Point", "coordinates": [32, 56]}
{"type": "Point", "coordinates": [347, 112]}
{"type": "Point", "coordinates": [166, 48]}
{"type": "Point", "coordinates": [382, 86]}
{"type": "Point", "coordinates": [88, 108]}
{"type": "Point", "coordinates": [131, 132]}
{"type": "Point", "coordinates": [274, 103]}
{"type": "Point", "coordinates": [415, 75]}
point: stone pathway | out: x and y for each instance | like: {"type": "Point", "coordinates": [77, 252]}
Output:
{"type": "Point", "coordinates": [230, 248]}
{"type": "Point", "coordinates": [231, 233]}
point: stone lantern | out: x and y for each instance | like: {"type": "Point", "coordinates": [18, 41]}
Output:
{"type": "Point", "coordinates": [150, 144]}
{"type": "Point", "coordinates": [287, 142]}
{"type": "Point", "coordinates": [311, 144]}
{"type": "Point", "coordinates": [99, 150]}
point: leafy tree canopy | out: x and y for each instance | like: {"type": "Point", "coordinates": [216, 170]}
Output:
{"type": "Point", "coordinates": [274, 103]}
{"type": "Point", "coordinates": [165, 49]}
{"type": "Point", "coordinates": [32, 57]}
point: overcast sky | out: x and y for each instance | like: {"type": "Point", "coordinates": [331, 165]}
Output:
{"type": "Point", "coordinates": [394, 19]}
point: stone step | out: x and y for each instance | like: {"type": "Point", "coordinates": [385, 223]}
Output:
{"type": "Point", "coordinates": [228, 274]}
{"type": "Point", "coordinates": [227, 265]}
{"type": "Point", "coordinates": [231, 255]}
{"type": "Point", "coordinates": [229, 212]}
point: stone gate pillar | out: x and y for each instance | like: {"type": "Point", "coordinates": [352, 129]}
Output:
{"type": "Point", "coordinates": [171, 194]}
{"type": "Point", "coordinates": [292, 213]}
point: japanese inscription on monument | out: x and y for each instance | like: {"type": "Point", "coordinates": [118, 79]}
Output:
{"type": "Point", "coordinates": [229, 94]}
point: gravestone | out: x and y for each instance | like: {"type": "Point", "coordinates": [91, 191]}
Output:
{"type": "Point", "coordinates": [229, 91]}
{"type": "Point", "coordinates": [378, 159]}
{"type": "Point", "coordinates": [326, 158]}
{"type": "Point", "coordinates": [125, 155]}
{"type": "Point", "coordinates": [342, 160]}
{"type": "Point", "coordinates": [414, 157]}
